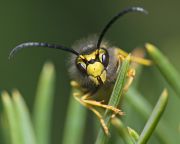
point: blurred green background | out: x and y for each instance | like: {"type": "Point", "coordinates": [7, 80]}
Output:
{"type": "Point", "coordinates": [64, 22]}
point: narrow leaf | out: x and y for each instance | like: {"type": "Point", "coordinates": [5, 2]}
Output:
{"type": "Point", "coordinates": [75, 121]}
{"type": "Point", "coordinates": [141, 105]}
{"type": "Point", "coordinates": [23, 119]}
{"type": "Point", "coordinates": [133, 134]}
{"type": "Point", "coordinates": [115, 98]}
{"type": "Point", "coordinates": [154, 118]}
{"type": "Point", "coordinates": [9, 112]}
{"type": "Point", "coordinates": [5, 136]}
{"type": "Point", "coordinates": [122, 130]}
{"type": "Point", "coordinates": [43, 104]}
{"type": "Point", "coordinates": [165, 67]}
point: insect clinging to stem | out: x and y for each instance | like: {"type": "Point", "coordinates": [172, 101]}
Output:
{"type": "Point", "coordinates": [94, 64]}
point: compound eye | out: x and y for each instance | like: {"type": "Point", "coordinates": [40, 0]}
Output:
{"type": "Point", "coordinates": [104, 57]}
{"type": "Point", "coordinates": [82, 67]}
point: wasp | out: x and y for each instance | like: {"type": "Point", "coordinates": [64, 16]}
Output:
{"type": "Point", "coordinates": [93, 67]}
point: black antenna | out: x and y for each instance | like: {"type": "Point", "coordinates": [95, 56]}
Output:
{"type": "Point", "coordinates": [40, 44]}
{"type": "Point", "coordinates": [108, 25]}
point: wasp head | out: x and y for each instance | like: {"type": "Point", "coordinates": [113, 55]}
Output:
{"type": "Point", "coordinates": [94, 65]}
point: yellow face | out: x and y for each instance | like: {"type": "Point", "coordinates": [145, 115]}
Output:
{"type": "Point", "coordinates": [94, 65]}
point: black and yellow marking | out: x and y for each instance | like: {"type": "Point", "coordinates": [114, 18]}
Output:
{"type": "Point", "coordinates": [94, 65]}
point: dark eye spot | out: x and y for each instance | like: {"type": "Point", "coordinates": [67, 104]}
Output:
{"type": "Point", "coordinates": [81, 66]}
{"type": "Point", "coordinates": [104, 58]}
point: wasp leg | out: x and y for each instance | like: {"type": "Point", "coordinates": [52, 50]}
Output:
{"type": "Point", "coordinates": [131, 74]}
{"type": "Point", "coordinates": [105, 128]}
{"type": "Point", "coordinates": [85, 99]}
{"type": "Point", "coordinates": [91, 103]}
{"type": "Point", "coordinates": [122, 54]}
{"type": "Point", "coordinates": [99, 104]}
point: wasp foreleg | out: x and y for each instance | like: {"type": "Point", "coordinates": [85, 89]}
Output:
{"type": "Point", "coordinates": [85, 99]}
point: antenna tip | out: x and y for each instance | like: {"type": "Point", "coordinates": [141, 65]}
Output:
{"type": "Point", "coordinates": [11, 54]}
{"type": "Point", "coordinates": [139, 9]}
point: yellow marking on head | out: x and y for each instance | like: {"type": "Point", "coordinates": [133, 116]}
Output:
{"type": "Point", "coordinates": [102, 51]}
{"type": "Point", "coordinates": [81, 57]}
{"type": "Point", "coordinates": [103, 76]}
{"type": "Point", "coordinates": [90, 56]}
{"type": "Point", "coordinates": [95, 69]}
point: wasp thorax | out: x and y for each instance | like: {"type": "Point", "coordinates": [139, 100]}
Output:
{"type": "Point", "coordinates": [93, 65]}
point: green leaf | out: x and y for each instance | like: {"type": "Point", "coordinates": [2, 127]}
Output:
{"type": "Point", "coordinates": [133, 134]}
{"type": "Point", "coordinates": [24, 122]}
{"type": "Point", "coordinates": [5, 129]}
{"type": "Point", "coordinates": [115, 98]}
{"type": "Point", "coordinates": [44, 103]}
{"type": "Point", "coordinates": [165, 67]}
{"type": "Point", "coordinates": [9, 112]}
{"type": "Point", "coordinates": [75, 121]}
{"type": "Point", "coordinates": [122, 130]}
{"type": "Point", "coordinates": [141, 105]}
{"type": "Point", "coordinates": [154, 118]}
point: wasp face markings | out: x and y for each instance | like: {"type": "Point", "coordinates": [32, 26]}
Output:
{"type": "Point", "coordinates": [94, 65]}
